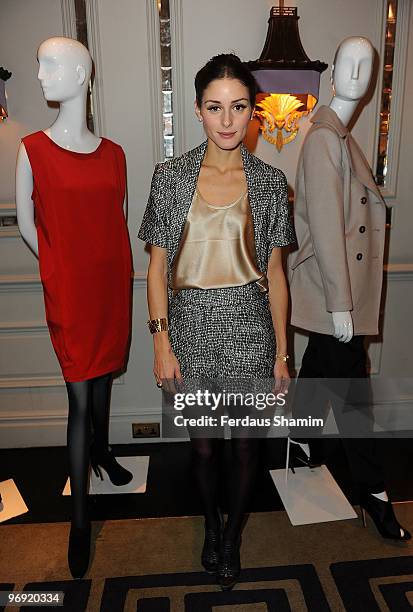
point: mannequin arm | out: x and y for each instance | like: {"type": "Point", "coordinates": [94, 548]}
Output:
{"type": "Point", "coordinates": [343, 326]}
{"type": "Point", "coordinates": [24, 202]}
{"type": "Point", "coordinates": [125, 206]}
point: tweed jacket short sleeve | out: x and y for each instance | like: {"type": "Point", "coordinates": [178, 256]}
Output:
{"type": "Point", "coordinates": [153, 228]}
{"type": "Point", "coordinates": [172, 189]}
{"type": "Point", "coordinates": [280, 227]}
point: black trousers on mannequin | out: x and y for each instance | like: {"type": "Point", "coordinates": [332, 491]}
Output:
{"type": "Point", "coordinates": [89, 402]}
{"type": "Point", "coordinates": [327, 358]}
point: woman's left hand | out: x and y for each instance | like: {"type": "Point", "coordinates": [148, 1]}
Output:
{"type": "Point", "coordinates": [282, 377]}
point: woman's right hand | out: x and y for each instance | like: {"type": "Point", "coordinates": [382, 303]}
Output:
{"type": "Point", "coordinates": [166, 366]}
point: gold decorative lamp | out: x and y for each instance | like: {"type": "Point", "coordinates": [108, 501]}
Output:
{"type": "Point", "coordinates": [288, 81]}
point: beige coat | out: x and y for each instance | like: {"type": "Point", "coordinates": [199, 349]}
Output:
{"type": "Point", "coordinates": [339, 217]}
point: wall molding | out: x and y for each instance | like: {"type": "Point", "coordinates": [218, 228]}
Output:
{"type": "Point", "coordinates": [178, 82]}
{"type": "Point", "coordinates": [22, 327]}
{"type": "Point", "coordinates": [20, 283]}
{"type": "Point", "coordinates": [69, 18]}
{"type": "Point", "coordinates": [41, 381]}
{"type": "Point", "coordinates": [8, 209]}
{"type": "Point", "coordinates": [155, 79]}
{"type": "Point", "coordinates": [93, 36]}
{"type": "Point", "coordinates": [15, 416]}
{"type": "Point", "coordinates": [399, 271]}
{"type": "Point", "coordinates": [374, 103]}
{"type": "Point", "coordinates": [25, 380]}
{"type": "Point", "coordinates": [32, 283]}
{"type": "Point", "coordinates": [93, 33]}
{"type": "Point", "coordinates": [30, 382]}
{"type": "Point", "coordinates": [389, 191]}
{"type": "Point", "coordinates": [18, 429]}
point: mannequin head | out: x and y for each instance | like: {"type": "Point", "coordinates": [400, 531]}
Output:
{"type": "Point", "coordinates": [65, 67]}
{"type": "Point", "coordinates": [352, 68]}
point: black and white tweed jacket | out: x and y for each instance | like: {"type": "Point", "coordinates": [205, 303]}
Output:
{"type": "Point", "coordinates": [172, 189]}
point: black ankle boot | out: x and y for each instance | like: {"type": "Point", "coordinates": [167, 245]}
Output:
{"type": "Point", "coordinates": [382, 514]}
{"type": "Point", "coordinates": [212, 542]}
{"type": "Point", "coordinates": [104, 457]}
{"type": "Point", "coordinates": [229, 564]}
{"type": "Point", "coordinates": [78, 553]}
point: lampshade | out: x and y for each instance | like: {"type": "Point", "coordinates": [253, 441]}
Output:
{"type": "Point", "coordinates": [284, 66]}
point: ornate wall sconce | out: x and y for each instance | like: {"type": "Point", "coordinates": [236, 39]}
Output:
{"type": "Point", "coordinates": [288, 81]}
{"type": "Point", "coordinates": [4, 76]}
{"type": "Point", "coordinates": [280, 113]}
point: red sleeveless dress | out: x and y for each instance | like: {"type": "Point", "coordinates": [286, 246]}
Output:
{"type": "Point", "coordinates": [84, 254]}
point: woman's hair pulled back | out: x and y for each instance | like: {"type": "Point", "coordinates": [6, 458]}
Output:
{"type": "Point", "coordinates": [224, 65]}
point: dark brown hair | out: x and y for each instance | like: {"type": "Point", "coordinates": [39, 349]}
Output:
{"type": "Point", "coordinates": [224, 65]}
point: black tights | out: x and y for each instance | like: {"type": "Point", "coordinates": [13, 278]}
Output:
{"type": "Point", "coordinates": [89, 402]}
{"type": "Point", "coordinates": [206, 467]}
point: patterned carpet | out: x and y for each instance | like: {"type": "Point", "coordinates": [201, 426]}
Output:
{"type": "Point", "coordinates": [153, 565]}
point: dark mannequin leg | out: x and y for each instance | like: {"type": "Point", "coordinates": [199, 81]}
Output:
{"type": "Point", "coordinates": [348, 361]}
{"type": "Point", "coordinates": [101, 388]}
{"type": "Point", "coordinates": [245, 457]}
{"type": "Point", "coordinates": [205, 455]}
{"type": "Point", "coordinates": [78, 444]}
{"type": "Point", "coordinates": [310, 398]}
{"type": "Point", "coordinates": [100, 453]}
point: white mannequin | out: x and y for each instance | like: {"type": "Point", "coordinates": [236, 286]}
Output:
{"type": "Point", "coordinates": [350, 78]}
{"type": "Point", "coordinates": [65, 67]}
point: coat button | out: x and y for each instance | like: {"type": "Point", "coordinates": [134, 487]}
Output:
{"type": "Point", "coordinates": [362, 229]}
{"type": "Point", "coordinates": [363, 200]}
{"type": "Point", "coordinates": [359, 256]}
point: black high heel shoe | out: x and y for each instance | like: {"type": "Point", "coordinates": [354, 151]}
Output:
{"type": "Point", "coordinates": [212, 543]}
{"type": "Point", "coordinates": [105, 458]}
{"type": "Point", "coordinates": [382, 515]}
{"type": "Point", "coordinates": [229, 564]}
{"type": "Point", "coordinates": [297, 457]}
{"type": "Point", "coordinates": [78, 553]}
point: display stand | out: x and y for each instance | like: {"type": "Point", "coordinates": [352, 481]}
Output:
{"type": "Point", "coordinates": [311, 495]}
{"type": "Point", "coordinates": [12, 503]}
{"type": "Point", "coordinates": [137, 465]}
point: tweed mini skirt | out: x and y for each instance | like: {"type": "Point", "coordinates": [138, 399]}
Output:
{"type": "Point", "coordinates": [222, 333]}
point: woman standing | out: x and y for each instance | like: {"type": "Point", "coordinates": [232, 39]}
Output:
{"type": "Point", "coordinates": [216, 219]}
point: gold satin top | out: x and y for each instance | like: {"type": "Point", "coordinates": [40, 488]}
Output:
{"type": "Point", "coordinates": [217, 247]}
